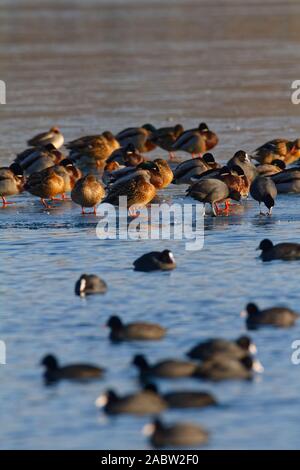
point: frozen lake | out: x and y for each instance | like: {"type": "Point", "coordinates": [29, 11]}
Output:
{"type": "Point", "coordinates": [97, 65]}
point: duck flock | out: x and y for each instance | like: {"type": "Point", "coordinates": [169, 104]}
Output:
{"type": "Point", "coordinates": [101, 168]}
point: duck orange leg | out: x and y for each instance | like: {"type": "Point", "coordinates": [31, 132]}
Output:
{"type": "Point", "coordinates": [45, 204]}
{"type": "Point", "coordinates": [5, 202]}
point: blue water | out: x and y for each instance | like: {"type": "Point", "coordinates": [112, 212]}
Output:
{"type": "Point", "coordinates": [152, 79]}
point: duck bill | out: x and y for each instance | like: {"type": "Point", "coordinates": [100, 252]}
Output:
{"type": "Point", "coordinates": [253, 349]}
{"type": "Point", "coordinates": [244, 314]}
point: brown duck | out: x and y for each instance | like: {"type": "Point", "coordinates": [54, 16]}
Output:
{"type": "Point", "coordinates": [11, 182]}
{"type": "Point", "coordinates": [88, 192]}
{"type": "Point", "coordinates": [140, 137]}
{"type": "Point", "coordinates": [282, 149]}
{"type": "Point", "coordinates": [165, 137]}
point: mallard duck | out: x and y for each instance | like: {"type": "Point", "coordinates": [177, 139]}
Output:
{"type": "Point", "coordinates": [53, 136]}
{"type": "Point", "coordinates": [287, 181]}
{"type": "Point", "coordinates": [234, 177]}
{"type": "Point", "coordinates": [108, 171]}
{"type": "Point", "coordinates": [120, 331]}
{"type": "Point", "coordinates": [283, 251]}
{"type": "Point", "coordinates": [127, 156]}
{"type": "Point", "coordinates": [138, 189]}
{"type": "Point", "coordinates": [125, 174]}
{"type": "Point", "coordinates": [93, 150]}
{"type": "Point", "coordinates": [275, 316]}
{"type": "Point", "coordinates": [282, 149]}
{"type": "Point", "coordinates": [140, 403]}
{"type": "Point", "coordinates": [140, 137]}
{"type": "Point", "coordinates": [175, 435]}
{"type": "Point", "coordinates": [55, 372]}
{"type": "Point", "coordinates": [11, 182]}
{"type": "Point", "coordinates": [185, 171]}
{"type": "Point", "coordinates": [70, 174]}
{"type": "Point", "coordinates": [236, 180]}
{"type": "Point", "coordinates": [88, 192]}
{"type": "Point", "coordinates": [212, 191]}
{"type": "Point", "coordinates": [263, 189]}
{"type": "Point", "coordinates": [36, 159]}
{"type": "Point", "coordinates": [165, 172]}
{"type": "Point", "coordinates": [165, 137]}
{"type": "Point", "coordinates": [154, 261]}
{"type": "Point", "coordinates": [269, 169]}
{"type": "Point", "coordinates": [196, 141]}
{"type": "Point", "coordinates": [46, 184]}
{"type": "Point", "coordinates": [243, 160]}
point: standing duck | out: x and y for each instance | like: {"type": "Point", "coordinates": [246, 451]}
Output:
{"type": "Point", "coordinates": [287, 181]}
{"type": "Point", "coordinates": [233, 177]}
{"type": "Point", "coordinates": [269, 169]}
{"type": "Point", "coordinates": [165, 137]}
{"type": "Point", "coordinates": [264, 190]}
{"type": "Point", "coordinates": [128, 156]}
{"type": "Point", "coordinates": [138, 190]}
{"type": "Point", "coordinates": [185, 171]}
{"type": "Point", "coordinates": [212, 191]}
{"type": "Point", "coordinates": [37, 159]}
{"type": "Point", "coordinates": [93, 150]}
{"type": "Point", "coordinates": [282, 149]}
{"type": "Point", "coordinates": [69, 172]}
{"type": "Point", "coordinates": [165, 172]}
{"type": "Point", "coordinates": [11, 182]}
{"type": "Point", "coordinates": [46, 184]}
{"type": "Point", "coordinates": [88, 192]}
{"type": "Point", "coordinates": [283, 251]}
{"type": "Point", "coordinates": [53, 181]}
{"type": "Point", "coordinates": [140, 137]}
{"type": "Point", "coordinates": [159, 175]}
{"type": "Point", "coordinates": [196, 141]}
{"type": "Point", "coordinates": [53, 136]}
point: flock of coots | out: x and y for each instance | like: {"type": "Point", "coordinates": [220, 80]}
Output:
{"type": "Point", "coordinates": [101, 168]}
